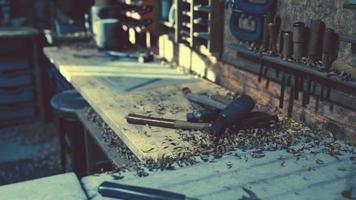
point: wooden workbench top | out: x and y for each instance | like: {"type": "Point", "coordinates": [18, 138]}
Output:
{"type": "Point", "coordinates": [116, 88]}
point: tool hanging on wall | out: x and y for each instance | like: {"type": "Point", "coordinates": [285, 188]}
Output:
{"type": "Point", "coordinates": [330, 47]}
{"type": "Point", "coordinates": [291, 101]}
{"type": "Point", "coordinates": [286, 79]}
{"type": "Point", "coordinates": [287, 44]}
{"type": "Point", "coordinates": [299, 40]}
{"type": "Point", "coordinates": [273, 35]}
{"type": "Point", "coordinates": [265, 36]}
{"type": "Point", "coordinates": [306, 93]}
{"type": "Point", "coordinates": [255, 10]}
{"type": "Point", "coordinates": [315, 42]}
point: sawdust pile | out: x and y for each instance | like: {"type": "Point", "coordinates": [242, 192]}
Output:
{"type": "Point", "coordinates": [286, 134]}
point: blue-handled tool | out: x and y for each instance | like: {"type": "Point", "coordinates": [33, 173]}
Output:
{"type": "Point", "coordinates": [234, 112]}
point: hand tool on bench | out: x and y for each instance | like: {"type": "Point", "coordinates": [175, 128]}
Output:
{"type": "Point", "coordinates": [165, 123]}
{"type": "Point", "coordinates": [217, 106]}
{"type": "Point", "coordinates": [129, 192]}
{"type": "Point", "coordinates": [203, 100]}
{"type": "Point", "coordinates": [210, 116]}
{"type": "Point", "coordinates": [140, 57]}
{"type": "Point", "coordinates": [234, 112]}
{"type": "Point", "coordinates": [214, 104]}
{"type": "Point", "coordinates": [252, 120]}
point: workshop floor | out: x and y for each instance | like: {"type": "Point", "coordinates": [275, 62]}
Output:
{"type": "Point", "coordinates": [28, 152]}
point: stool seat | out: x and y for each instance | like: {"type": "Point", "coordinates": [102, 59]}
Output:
{"type": "Point", "coordinates": [67, 103]}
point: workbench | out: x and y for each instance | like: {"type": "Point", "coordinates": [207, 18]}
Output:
{"type": "Point", "coordinates": [115, 88]}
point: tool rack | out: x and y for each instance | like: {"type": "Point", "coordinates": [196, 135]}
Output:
{"type": "Point", "coordinates": [198, 25]}
{"type": "Point", "coordinates": [163, 26]}
{"type": "Point", "coordinates": [302, 78]}
{"type": "Point", "coordinates": [137, 19]}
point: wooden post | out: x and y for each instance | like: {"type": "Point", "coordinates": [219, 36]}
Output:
{"type": "Point", "coordinates": [39, 76]}
{"type": "Point", "coordinates": [216, 28]}
{"type": "Point", "coordinates": [178, 23]}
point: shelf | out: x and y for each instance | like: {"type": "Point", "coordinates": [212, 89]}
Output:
{"type": "Point", "coordinates": [187, 25]}
{"type": "Point", "coordinates": [186, 39]}
{"type": "Point", "coordinates": [183, 32]}
{"type": "Point", "coordinates": [201, 21]}
{"type": "Point", "coordinates": [297, 68]}
{"type": "Point", "coordinates": [201, 35]}
{"type": "Point", "coordinates": [167, 24]}
{"type": "Point", "coordinates": [186, 13]}
{"type": "Point", "coordinates": [201, 8]}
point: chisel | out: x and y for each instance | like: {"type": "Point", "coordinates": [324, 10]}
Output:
{"type": "Point", "coordinates": [283, 87]}
{"type": "Point", "coordinates": [291, 101]}
{"type": "Point", "coordinates": [306, 92]}
{"type": "Point", "coordinates": [203, 100]}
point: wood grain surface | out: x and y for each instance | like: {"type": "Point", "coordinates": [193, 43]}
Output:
{"type": "Point", "coordinates": [116, 88]}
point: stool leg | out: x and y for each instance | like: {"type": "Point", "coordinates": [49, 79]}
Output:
{"type": "Point", "coordinates": [78, 147]}
{"type": "Point", "coordinates": [61, 137]}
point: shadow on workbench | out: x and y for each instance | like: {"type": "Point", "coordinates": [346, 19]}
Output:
{"type": "Point", "coordinates": [28, 151]}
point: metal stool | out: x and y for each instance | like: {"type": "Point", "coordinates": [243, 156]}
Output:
{"type": "Point", "coordinates": [71, 136]}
